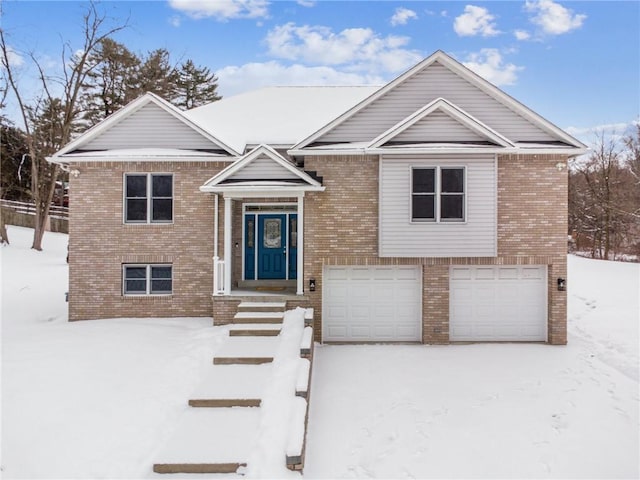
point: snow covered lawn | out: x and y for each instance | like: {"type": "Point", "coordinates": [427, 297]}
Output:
{"type": "Point", "coordinates": [494, 410]}
{"type": "Point", "coordinates": [87, 399]}
{"type": "Point", "coordinates": [100, 399]}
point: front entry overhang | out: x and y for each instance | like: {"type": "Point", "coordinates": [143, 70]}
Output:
{"type": "Point", "coordinates": [262, 173]}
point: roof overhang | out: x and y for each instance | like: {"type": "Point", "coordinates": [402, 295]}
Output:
{"type": "Point", "coordinates": [435, 149]}
{"type": "Point", "coordinates": [297, 180]}
{"type": "Point", "coordinates": [259, 189]}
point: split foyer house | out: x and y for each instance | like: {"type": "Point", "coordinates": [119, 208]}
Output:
{"type": "Point", "coordinates": [432, 209]}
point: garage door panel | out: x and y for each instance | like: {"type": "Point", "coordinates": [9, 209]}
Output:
{"type": "Point", "coordinates": [337, 330]}
{"type": "Point", "coordinates": [506, 273]}
{"type": "Point", "coordinates": [361, 332]}
{"type": "Point", "coordinates": [376, 303]}
{"type": "Point", "coordinates": [407, 333]}
{"type": "Point", "coordinates": [511, 306]}
{"type": "Point", "coordinates": [485, 273]}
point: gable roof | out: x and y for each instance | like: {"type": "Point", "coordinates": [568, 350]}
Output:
{"type": "Point", "coordinates": [461, 71]}
{"type": "Point", "coordinates": [129, 112]}
{"type": "Point", "coordinates": [274, 171]}
{"type": "Point", "coordinates": [278, 116]}
{"type": "Point", "coordinates": [452, 111]}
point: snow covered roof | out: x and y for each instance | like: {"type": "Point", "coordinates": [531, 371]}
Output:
{"type": "Point", "coordinates": [278, 116]}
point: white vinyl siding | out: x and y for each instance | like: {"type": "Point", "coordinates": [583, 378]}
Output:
{"type": "Point", "coordinates": [372, 303]}
{"type": "Point", "coordinates": [475, 237]}
{"type": "Point", "coordinates": [438, 127]}
{"type": "Point", "coordinates": [150, 127]}
{"type": "Point", "coordinates": [264, 168]}
{"type": "Point", "coordinates": [423, 87]}
{"type": "Point", "coordinates": [498, 303]}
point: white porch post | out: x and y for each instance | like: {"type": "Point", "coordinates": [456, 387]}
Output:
{"type": "Point", "coordinates": [300, 268]}
{"type": "Point", "coordinates": [227, 245]}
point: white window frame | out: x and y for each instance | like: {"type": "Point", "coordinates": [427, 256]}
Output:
{"type": "Point", "coordinates": [149, 198]}
{"type": "Point", "coordinates": [147, 279]}
{"type": "Point", "coordinates": [438, 193]}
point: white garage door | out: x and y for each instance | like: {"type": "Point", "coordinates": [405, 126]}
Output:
{"type": "Point", "coordinates": [369, 304]}
{"type": "Point", "coordinates": [498, 303]}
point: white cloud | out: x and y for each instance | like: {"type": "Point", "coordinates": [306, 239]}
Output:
{"type": "Point", "coordinates": [237, 79]}
{"type": "Point", "coordinates": [15, 59]}
{"type": "Point", "coordinates": [306, 3]}
{"type": "Point", "coordinates": [489, 64]}
{"type": "Point", "coordinates": [521, 34]}
{"type": "Point", "coordinates": [362, 48]}
{"type": "Point", "coordinates": [175, 21]}
{"type": "Point", "coordinates": [609, 128]}
{"type": "Point", "coordinates": [221, 10]}
{"type": "Point", "coordinates": [475, 21]}
{"type": "Point", "coordinates": [402, 16]}
{"type": "Point", "coordinates": [553, 18]}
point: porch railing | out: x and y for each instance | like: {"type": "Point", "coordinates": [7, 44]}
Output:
{"type": "Point", "coordinates": [218, 276]}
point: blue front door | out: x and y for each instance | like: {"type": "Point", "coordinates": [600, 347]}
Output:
{"type": "Point", "coordinates": [270, 246]}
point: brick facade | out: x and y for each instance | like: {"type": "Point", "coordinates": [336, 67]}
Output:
{"type": "Point", "coordinates": [100, 242]}
{"type": "Point", "coordinates": [341, 228]}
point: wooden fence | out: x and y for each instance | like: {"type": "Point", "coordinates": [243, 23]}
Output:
{"type": "Point", "coordinates": [23, 214]}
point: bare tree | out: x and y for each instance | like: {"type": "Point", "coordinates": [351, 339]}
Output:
{"type": "Point", "coordinates": [602, 209]}
{"type": "Point", "coordinates": [63, 92]}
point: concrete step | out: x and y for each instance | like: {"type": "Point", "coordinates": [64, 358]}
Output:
{"type": "Point", "coordinates": [234, 381]}
{"type": "Point", "coordinates": [262, 307]}
{"type": "Point", "coordinates": [241, 360]}
{"type": "Point", "coordinates": [258, 317]}
{"type": "Point", "coordinates": [209, 440]}
{"type": "Point", "coordinates": [253, 332]}
{"type": "Point", "coordinates": [225, 402]}
{"type": "Point", "coordinates": [197, 467]}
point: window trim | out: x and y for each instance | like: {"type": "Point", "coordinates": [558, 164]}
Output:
{"type": "Point", "coordinates": [148, 198]}
{"type": "Point", "coordinates": [438, 194]}
{"type": "Point", "coordinates": [147, 279]}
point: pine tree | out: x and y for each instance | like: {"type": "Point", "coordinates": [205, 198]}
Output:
{"type": "Point", "coordinates": [196, 86]}
{"type": "Point", "coordinates": [157, 75]}
{"type": "Point", "coordinates": [112, 83]}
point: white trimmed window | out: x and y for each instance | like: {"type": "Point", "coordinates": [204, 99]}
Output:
{"type": "Point", "coordinates": [147, 279]}
{"type": "Point", "coordinates": [437, 194]}
{"type": "Point", "coordinates": [148, 198]}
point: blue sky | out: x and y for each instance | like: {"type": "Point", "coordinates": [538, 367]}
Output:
{"type": "Point", "coordinates": [576, 63]}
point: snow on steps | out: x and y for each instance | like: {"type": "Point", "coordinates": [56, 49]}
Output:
{"type": "Point", "coordinates": [258, 317]}
{"type": "Point", "coordinates": [247, 351]}
{"type": "Point", "coordinates": [255, 330]}
{"type": "Point", "coordinates": [242, 439]}
{"type": "Point", "coordinates": [262, 307]}
{"type": "Point", "coordinates": [197, 446]}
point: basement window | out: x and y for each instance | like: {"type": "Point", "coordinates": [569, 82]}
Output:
{"type": "Point", "coordinates": [147, 279]}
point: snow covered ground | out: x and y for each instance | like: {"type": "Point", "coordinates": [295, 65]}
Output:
{"type": "Point", "coordinates": [100, 399]}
